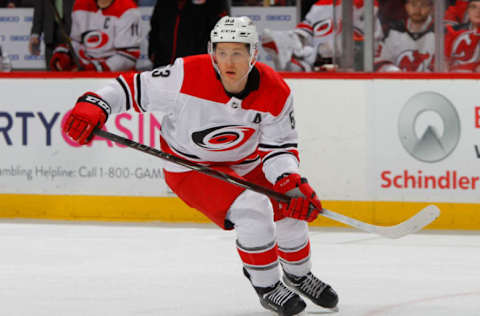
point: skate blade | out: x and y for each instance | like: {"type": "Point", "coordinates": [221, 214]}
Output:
{"type": "Point", "coordinates": [303, 313]}
{"type": "Point", "coordinates": [321, 311]}
{"type": "Point", "coordinates": [324, 311]}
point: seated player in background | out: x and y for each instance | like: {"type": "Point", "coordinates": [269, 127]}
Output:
{"type": "Point", "coordinates": [410, 44]}
{"type": "Point", "coordinates": [312, 42]}
{"type": "Point", "coordinates": [232, 114]}
{"type": "Point", "coordinates": [462, 42]}
{"type": "Point", "coordinates": [105, 36]}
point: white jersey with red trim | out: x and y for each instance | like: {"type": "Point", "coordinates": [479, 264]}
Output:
{"type": "Point", "coordinates": [204, 124]}
{"type": "Point", "coordinates": [109, 35]}
{"type": "Point", "coordinates": [315, 37]}
{"type": "Point", "coordinates": [318, 25]}
{"type": "Point", "coordinates": [403, 50]}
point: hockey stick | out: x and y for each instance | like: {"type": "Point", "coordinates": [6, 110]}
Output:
{"type": "Point", "coordinates": [412, 225]}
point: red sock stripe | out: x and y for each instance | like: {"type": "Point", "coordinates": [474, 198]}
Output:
{"type": "Point", "coordinates": [130, 81]}
{"type": "Point", "coordinates": [259, 258]}
{"type": "Point", "coordinates": [296, 255]}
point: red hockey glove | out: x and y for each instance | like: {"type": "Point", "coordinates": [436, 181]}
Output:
{"type": "Point", "coordinates": [61, 59]}
{"type": "Point", "coordinates": [304, 204]}
{"type": "Point", "coordinates": [89, 112]}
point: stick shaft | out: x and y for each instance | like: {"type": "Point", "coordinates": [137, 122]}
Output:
{"type": "Point", "coordinates": [412, 225]}
{"type": "Point", "coordinates": [194, 166]}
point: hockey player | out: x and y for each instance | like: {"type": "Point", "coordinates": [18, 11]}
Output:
{"type": "Point", "coordinates": [314, 38]}
{"type": "Point", "coordinates": [105, 36]}
{"type": "Point", "coordinates": [226, 111]}
{"type": "Point", "coordinates": [462, 42]}
{"type": "Point", "coordinates": [410, 44]}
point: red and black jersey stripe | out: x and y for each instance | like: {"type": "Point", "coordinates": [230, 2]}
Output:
{"type": "Point", "coordinates": [132, 86]}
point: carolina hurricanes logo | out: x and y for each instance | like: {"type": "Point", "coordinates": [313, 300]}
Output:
{"type": "Point", "coordinates": [466, 47]}
{"type": "Point", "coordinates": [95, 39]}
{"type": "Point", "coordinates": [323, 28]}
{"type": "Point", "coordinates": [412, 60]}
{"type": "Point", "coordinates": [223, 138]}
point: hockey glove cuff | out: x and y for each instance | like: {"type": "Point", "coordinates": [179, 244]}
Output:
{"type": "Point", "coordinates": [89, 112]}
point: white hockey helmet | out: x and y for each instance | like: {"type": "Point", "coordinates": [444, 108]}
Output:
{"type": "Point", "coordinates": [235, 30]}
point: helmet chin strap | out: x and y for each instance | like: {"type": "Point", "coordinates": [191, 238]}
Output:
{"type": "Point", "coordinates": [251, 63]}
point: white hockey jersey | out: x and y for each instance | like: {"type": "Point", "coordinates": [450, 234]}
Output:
{"type": "Point", "coordinates": [318, 25]}
{"type": "Point", "coordinates": [110, 35]}
{"type": "Point", "coordinates": [315, 37]}
{"type": "Point", "coordinates": [403, 50]}
{"type": "Point", "coordinates": [204, 124]}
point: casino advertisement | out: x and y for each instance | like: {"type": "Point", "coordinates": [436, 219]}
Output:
{"type": "Point", "coordinates": [38, 158]}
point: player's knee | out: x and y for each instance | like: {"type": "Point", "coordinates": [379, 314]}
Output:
{"type": "Point", "coordinates": [291, 232]}
{"type": "Point", "coordinates": [256, 204]}
{"type": "Point", "coordinates": [252, 215]}
{"type": "Point", "coordinates": [253, 230]}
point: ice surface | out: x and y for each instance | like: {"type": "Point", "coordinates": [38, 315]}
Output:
{"type": "Point", "coordinates": [90, 269]}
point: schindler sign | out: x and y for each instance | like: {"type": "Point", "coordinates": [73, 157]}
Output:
{"type": "Point", "coordinates": [431, 146]}
{"type": "Point", "coordinates": [423, 145]}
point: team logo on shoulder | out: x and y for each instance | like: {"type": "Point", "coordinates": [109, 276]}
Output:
{"type": "Point", "coordinates": [94, 39]}
{"type": "Point", "coordinates": [223, 138]}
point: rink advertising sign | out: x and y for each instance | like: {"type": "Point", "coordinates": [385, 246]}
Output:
{"type": "Point", "coordinates": [398, 144]}
{"type": "Point", "coordinates": [430, 146]}
{"type": "Point", "coordinates": [424, 143]}
{"type": "Point", "coordinates": [37, 157]}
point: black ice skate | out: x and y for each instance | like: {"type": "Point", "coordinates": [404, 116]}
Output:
{"type": "Point", "coordinates": [279, 299]}
{"type": "Point", "coordinates": [311, 287]}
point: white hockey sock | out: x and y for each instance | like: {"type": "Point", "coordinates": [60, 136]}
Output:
{"type": "Point", "coordinates": [294, 246]}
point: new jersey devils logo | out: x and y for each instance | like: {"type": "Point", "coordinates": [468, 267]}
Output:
{"type": "Point", "coordinates": [466, 47]}
{"type": "Point", "coordinates": [223, 138]}
{"type": "Point", "coordinates": [94, 39]}
{"type": "Point", "coordinates": [413, 60]}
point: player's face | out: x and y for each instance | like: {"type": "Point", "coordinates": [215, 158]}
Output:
{"type": "Point", "coordinates": [418, 10]}
{"type": "Point", "coordinates": [474, 13]}
{"type": "Point", "coordinates": [233, 64]}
